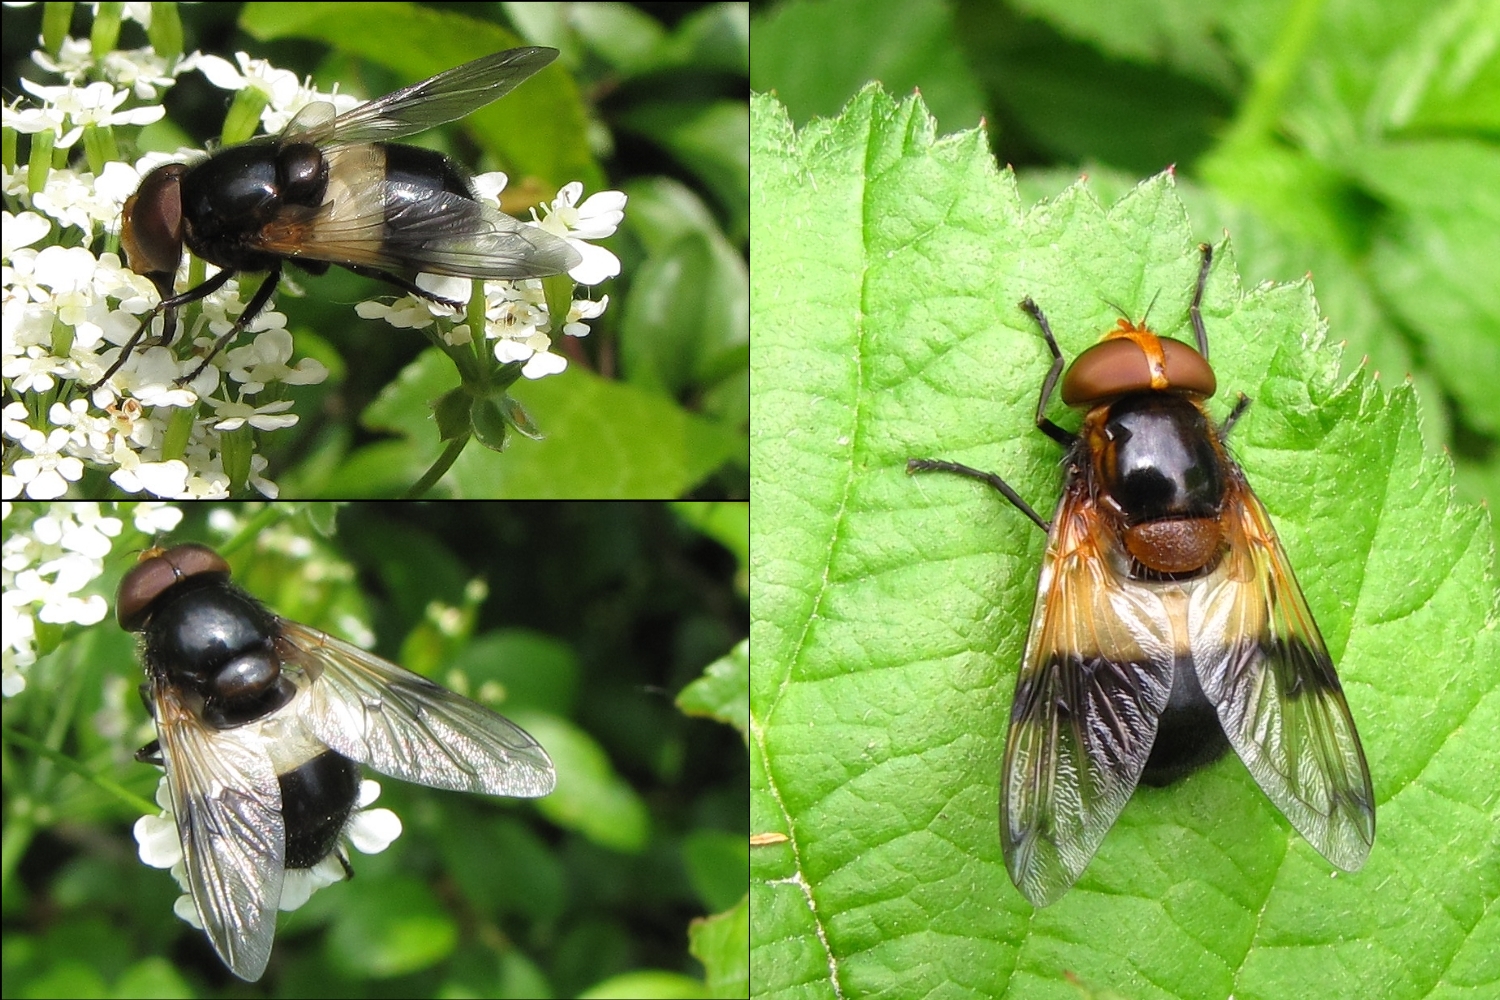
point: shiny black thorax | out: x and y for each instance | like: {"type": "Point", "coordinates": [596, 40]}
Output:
{"type": "Point", "coordinates": [227, 198]}
{"type": "Point", "coordinates": [217, 644]}
{"type": "Point", "coordinates": [1156, 456]}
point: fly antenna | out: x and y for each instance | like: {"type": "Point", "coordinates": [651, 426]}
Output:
{"type": "Point", "coordinates": [1151, 306]}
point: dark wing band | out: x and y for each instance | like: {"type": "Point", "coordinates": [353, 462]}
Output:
{"type": "Point", "coordinates": [1263, 664]}
{"type": "Point", "coordinates": [1096, 676]}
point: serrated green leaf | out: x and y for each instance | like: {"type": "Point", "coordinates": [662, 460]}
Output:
{"type": "Point", "coordinates": [889, 612]}
{"type": "Point", "coordinates": [719, 943]}
{"type": "Point", "coordinates": [814, 54]}
{"type": "Point", "coordinates": [721, 692]}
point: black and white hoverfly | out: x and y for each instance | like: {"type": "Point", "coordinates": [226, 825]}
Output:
{"type": "Point", "coordinates": [261, 726]}
{"type": "Point", "coordinates": [333, 189]}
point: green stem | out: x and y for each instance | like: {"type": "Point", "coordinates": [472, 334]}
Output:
{"type": "Point", "coordinates": [443, 464]}
{"type": "Point", "coordinates": [1261, 109]}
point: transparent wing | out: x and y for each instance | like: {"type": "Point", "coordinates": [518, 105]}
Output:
{"type": "Point", "coordinates": [1095, 679]}
{"type": "Point", "coordinates": [374, 219]}
{"type": "Point", "coordinates": [447, 97]}
{"type": "Point", "coordinates": [1262, 663]}
{"type": "Point", "coordinates": [227, 799]}
{"type": "Point", "coordinates": [403, 725]}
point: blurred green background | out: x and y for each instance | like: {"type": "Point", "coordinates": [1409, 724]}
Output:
{"type": "Point", "coordinates": [609, 631]}
{"type": "Point", "coordinates": [1353, 141]}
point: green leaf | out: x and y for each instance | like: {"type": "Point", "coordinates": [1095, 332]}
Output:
{"type": "Point", "coordinates": [591, 797]}
{"type": "Point", "coordinates": [708, 138]}
{"type": "Point", "coordinates": [1182, 36]}
{"type": "Point", "coordinates": [401, 931]}
{"type": "Point", "coordinates": [726, 523]}
{"type": "Point", "coordinates": [688, 321]}
{"type": "Point", "coordinates": [719, 943]}
{"type": "Point", "coordinates": [646, 985]}
{"type": "Point", "coordinates": [1429, 250]}
{"type": "Point", "coordinates": [890, 612]}
{"type": "Point", "coordinates": [600, 439]}
{"type": "Point", "coordinates": [531, 668]}
{"type": "Point", "coordinates": [489, 424]}
{"type": "Point", "coordinates": [721, 692]}
{"type": "Point", "coordinates": [716, 862]}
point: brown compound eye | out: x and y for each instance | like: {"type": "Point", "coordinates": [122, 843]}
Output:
{"type": "Point", "coordinates": [152, 230]}
{"type": "Point", "coordinates": [1136, 360]}
{"type": "Point", "coordinates": [156, 573]}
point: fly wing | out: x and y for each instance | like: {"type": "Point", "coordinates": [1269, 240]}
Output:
{"type": "Point", "coordinates": [1262, 663]}
{"type": "Point", "coordinates": [372, 218]}
{"type": "Point", "coordinates": [227, 800]}
{"type": "Point", "coordinates": [446, 97]}
{"type": "Point", "coordinates": [1096, 676]}
{"type": "Point", "coordinates": [403, 725]}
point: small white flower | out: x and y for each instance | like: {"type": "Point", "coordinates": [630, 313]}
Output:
{"type": "Point", "coordinates": [264, 360]}
{"type": "Point", "coordinates": [257, 479]}
{"type": "Point", "coordinates": [369, 831]}
{"type": "Point", "coordinates": [598, 217]}
{"type": "Point", "coordinates": [48, 568]}
{"type": "Point", "coordinates": [544, 363]}
{"type": "Point", "coordinates": [232, 416]}
{"type": "Point", "coordinates": [47, 473]}
{"type": "Point", "coordinates": [581, 310]}
{"type": "Point", "coordinates": [160, 479]}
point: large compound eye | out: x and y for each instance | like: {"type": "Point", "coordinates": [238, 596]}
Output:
{"type": "Point", "coordinates": [1128, 363]}
{"type": "Point", "coordinates": [193, 559]}
{"type": "Point", "coordinates": [152, 230]}
{"type": "Point", "coordinates": [157, 571]}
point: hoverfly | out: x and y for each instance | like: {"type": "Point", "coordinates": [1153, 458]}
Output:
{"type": "Point", "coordinates": [1168, 625]}
{"type": "Point", "coordinates": [261, 726]}
{"type": "Point", "coordinates": [332, 189]}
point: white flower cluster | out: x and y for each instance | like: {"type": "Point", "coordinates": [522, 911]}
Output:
{"type": "Point", "coordinates": [51, 554]}
{"type": "Point", "coordinates": [68, 311]}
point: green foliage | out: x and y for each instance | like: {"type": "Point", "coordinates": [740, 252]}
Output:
{"type": "Point", "coordinates": [601, 438]}
{"type": "Point", "coordinates": [891, 611]}
{"type": "Point", "coordinates": [721, 692]}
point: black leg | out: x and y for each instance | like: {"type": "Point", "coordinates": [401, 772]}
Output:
{"type": "Point", "coordinates": [257, 303]}
{"type": "Point", "coordinates": [406, 286]}
{"type": "Point", "coordinates": [1195, 311]}
{"type": "Point", "coordinates": [989, 478]}
{"type": "Point", "coordinates": [1240, 406]}
{"type": "Point", "coordinates": [1045, 425]}
{"type": "Point", "coordinates": [170, 307]}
